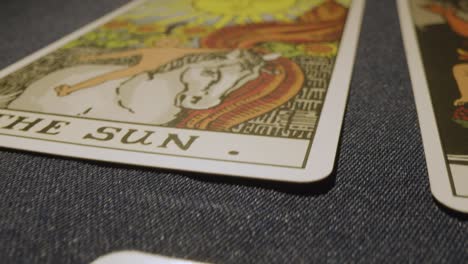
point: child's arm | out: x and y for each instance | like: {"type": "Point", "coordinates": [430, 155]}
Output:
{"type": "Point", "coordinates": [458, 25]}
{"type": "Point", "coordinates": [64, 90]}
{"type": "Point", "coordinates": [115, 55]}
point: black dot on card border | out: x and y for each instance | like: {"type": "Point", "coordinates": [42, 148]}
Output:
{"type": "Point", "coordinates": [233, 152]}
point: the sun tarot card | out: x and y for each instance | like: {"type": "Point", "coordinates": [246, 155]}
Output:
{"type": "Point", "coordinates": [248, 88]}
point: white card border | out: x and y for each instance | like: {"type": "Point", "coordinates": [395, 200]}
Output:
{"type": "Point", "coordinates": [321, 159]}
{"type": "Point", "coordinates": [437, 164]}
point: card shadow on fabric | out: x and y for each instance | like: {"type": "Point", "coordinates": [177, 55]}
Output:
{"type": "Point", "coordinates": [452, 213]}
{"type": "Point", "coordinates": [304, 189]}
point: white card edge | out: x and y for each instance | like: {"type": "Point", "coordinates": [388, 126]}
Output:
{"type": "Point", "coordinates": [327, 136]}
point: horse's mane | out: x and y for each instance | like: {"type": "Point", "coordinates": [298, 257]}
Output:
{"type": "Point", "coordinates": [255, 98]}
{"type": "Point", "coordinates": [322, 24]}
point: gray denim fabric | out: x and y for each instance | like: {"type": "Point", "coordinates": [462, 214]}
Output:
{"type": "Point", "coordinates": [377, 207]}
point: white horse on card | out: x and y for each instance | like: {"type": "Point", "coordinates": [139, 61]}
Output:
{"type": "Point", "coordinates": [196, 81]}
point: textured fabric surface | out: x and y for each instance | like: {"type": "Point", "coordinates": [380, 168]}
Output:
{"type": "Point", "coordinates": [376, 208]}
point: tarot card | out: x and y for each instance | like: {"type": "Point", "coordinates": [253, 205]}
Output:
{"type": "Point", "coordinates": [131, 257]}
{"type": "Point", "coordinates": [246, 88]}
{"type": "Point", "coordinates": [436, 38]}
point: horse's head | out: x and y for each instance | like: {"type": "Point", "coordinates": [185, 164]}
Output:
{"type": "Point", "coordinates": [207, 83]}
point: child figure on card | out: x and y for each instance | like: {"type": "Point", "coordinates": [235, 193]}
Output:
{"type": "Point", "coordinates": [455, 12]}
{"type": "Point", "coordinates": [164, 51]}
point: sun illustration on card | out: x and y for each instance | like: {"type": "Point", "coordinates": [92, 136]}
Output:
{"type": "Point", "coordinates": [187, 21]}
{"type": "Point", "coordinates": [222, 13]}
{"type": "Point", "coordinates": [249, 10]}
